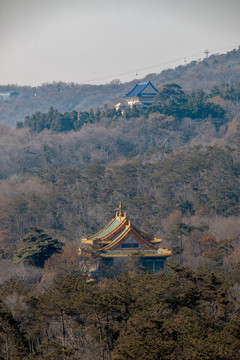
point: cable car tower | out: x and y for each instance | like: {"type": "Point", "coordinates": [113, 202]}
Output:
{"type": "Point", "coordinates": [206, 52]}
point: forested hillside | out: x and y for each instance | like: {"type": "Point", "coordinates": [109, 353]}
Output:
{"type": "Point", "coordinates": [217, 69]}
{"type": "Point", "coordinates": [175, 166]}
{"type": "Point", "coordinates": [166, 168]}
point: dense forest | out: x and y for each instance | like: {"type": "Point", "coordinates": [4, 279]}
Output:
{"type": "Point", "coordinates": [175, 166]}
{"type": "Point", "coordinates": [180, 314]}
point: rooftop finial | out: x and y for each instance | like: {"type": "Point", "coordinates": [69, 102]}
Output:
{"type": "Point", "coordinates": [120, 209]}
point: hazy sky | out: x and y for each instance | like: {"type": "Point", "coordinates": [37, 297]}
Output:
{"type": "Point", "coordinates": [81, 40]}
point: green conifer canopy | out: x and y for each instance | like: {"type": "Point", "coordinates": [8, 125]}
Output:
{"type": "Point", "coordinates": [37, 248]}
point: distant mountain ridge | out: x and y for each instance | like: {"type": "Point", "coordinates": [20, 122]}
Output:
{"type": "Point", "coordinates": [217, 69]}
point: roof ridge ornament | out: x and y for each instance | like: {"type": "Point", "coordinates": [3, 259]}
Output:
{"type": "Point", "coordinates": [119, 212]}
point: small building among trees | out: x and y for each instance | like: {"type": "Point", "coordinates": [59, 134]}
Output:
{"type": "Point", "coordinates": [6, 95]}
{"type": "Point", "coordinates": [142, 93]}
{"type": "Point", "coordinates": [120, 239]}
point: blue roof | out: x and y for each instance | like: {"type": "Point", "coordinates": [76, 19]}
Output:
{"type": "Point", "coordinates": [138, 88]}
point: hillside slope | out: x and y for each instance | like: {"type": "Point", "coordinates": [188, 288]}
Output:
{"type": "Point", "coordinates": [216, 69]}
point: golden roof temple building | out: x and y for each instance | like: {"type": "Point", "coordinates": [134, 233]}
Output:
{"type": "Point", "coordinates": [121, 239]}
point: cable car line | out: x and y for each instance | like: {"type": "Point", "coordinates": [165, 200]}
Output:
{"type": "Point", "coordinates": [136, 72]}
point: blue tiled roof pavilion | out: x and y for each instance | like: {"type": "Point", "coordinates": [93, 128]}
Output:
{"type": "Point", "coordinates": [143, 91]}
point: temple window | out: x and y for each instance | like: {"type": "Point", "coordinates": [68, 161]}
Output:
{"type": "Point", "coordinates": [126, 245]}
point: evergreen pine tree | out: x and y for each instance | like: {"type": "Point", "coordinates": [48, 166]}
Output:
{"type": "Point", "coordinates": [37, 248]}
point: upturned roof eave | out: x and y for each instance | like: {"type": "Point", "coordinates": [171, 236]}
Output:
{"type": "Point", "coordinates": [145, 241]}
{"type": "Point", "coordinates": [147, 237]}
{"type": "Point", "coordinates": [90, 238]}
{"type": "Point", "coordinates": [93, 238]}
